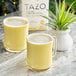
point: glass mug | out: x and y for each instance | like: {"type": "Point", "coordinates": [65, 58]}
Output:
{"type": "Point", "coordinates": [39, 51]}
{"type": "Point", "coordinates": [15, 33]}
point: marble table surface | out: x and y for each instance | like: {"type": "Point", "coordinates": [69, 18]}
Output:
{"type": "Point", "coordinates": [64, 63]}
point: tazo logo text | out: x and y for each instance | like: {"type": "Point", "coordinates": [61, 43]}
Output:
{"type": "Point", "coordinates": [35, 6]}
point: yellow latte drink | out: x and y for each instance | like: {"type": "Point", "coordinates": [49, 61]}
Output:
{"type": "Point", "coordinates": [15, 33]}
{"type": "Point", "coordinates": [39, 51]}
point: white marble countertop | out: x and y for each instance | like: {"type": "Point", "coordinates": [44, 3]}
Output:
{"type": "Point", "coordinates": [64, 63]}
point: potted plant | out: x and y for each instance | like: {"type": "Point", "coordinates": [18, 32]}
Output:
{"type": "Point", "coordinates": [60, 25]}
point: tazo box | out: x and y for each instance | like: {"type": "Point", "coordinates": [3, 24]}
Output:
{"type": "Point", "coordinates": [32, 10]}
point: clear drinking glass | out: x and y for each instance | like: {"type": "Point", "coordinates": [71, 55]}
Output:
{"type": "Point", "coordinates": [39, 51]}
{"type": "Point", "coordinates": [15, 33]}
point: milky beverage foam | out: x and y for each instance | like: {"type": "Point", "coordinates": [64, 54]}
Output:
{"type": "Point", "coordinates": [39, 39]}
{"type": "Point", "coordinates": [15, 22]}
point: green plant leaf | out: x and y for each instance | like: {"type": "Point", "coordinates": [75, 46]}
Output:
{"type": "Point", "coordinates": [51, 25]}
{"type": "Point", "coordinates": [59, 10]}
{"type": "Point", "coordinates": [62, 12]}
{"type": "Point", "coordinates": [63, 22]}
{"type": "Point", "coordinates": [50, 20]}
{"type": "Point", "coordinates": [69, 23]}
{"type": "Point", "coordinates": [69, 19]}
{"type": "Point", "coordinates": [52, 14]}
{"type": "Point", "coordinates": [72, 13]}
{"type": "Point", "coordinates": [66, 15]}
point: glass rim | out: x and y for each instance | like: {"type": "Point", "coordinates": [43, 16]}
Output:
{"type": "Point", "coordinates": [15, 17]}
{"type": "Point", "coordinates": [34, 34]}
